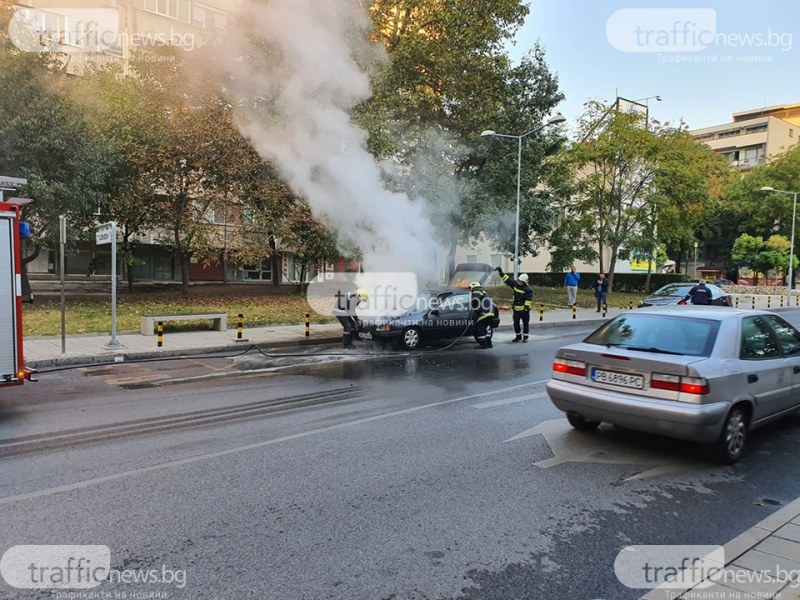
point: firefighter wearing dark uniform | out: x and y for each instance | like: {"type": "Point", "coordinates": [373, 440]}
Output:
{"type": "Point", "coordinates": [699, 294]}
{"type": "Point", "coordinates": [480, 305]}
{"type": "Point", "coordinates": [520, 305]}
{"type": "Point", "coordinates": [345, 312]}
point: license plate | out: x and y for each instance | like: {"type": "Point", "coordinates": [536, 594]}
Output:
{"type": "Point", "coordinates": [365, 335]}
{"type": "Point", "coordinates": [621, 379]}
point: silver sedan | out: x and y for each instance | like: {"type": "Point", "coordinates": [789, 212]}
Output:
{"type": "Point", "coordinates": [702, 373]}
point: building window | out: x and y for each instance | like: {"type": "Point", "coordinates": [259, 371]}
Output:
{"type": "Point", "coordinates": [207, 18]}
{"type": "Point", "coordinates": [174, 9]}
{"type": "Point", "coordinates": [730, 133]}
{"type": "Point", "coordinates": [262, 272]}
{"type": "Point", "coordinates": [472, 258]}
{"type": "Point", "coordinates": [756, 129]}
{"type": "Point", "coordinates": [496, 260]}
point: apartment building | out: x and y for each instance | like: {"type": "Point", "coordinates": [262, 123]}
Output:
{"type": "Point", "coordinates": [754, 136]}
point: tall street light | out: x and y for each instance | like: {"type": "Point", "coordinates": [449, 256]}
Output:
{"type": "Point", "coordinates": [558, 118]}
{"type": "Point", "coordinates": [789, 281]}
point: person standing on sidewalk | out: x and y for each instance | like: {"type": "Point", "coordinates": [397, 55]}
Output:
{"type": "Point", "coordinates": [521, 304]}
{"type": "Point", "coordinates": [601, 291]}
{"type": "Point", "coordinates": [345, 312]}
{"type": "Point", "coordinates": [480, 308]}
{"type": "Point", "coordinates": [571, 284]}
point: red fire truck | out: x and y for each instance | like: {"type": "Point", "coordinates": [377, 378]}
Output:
{"type": "Point", "coordinates": [12, 363]}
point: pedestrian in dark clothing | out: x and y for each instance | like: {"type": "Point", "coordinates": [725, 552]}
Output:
{"type": "Point", "coordinates": [601, 291]}
{"type": "Point", "coordinates": [520, 305]}
{"type": "Point", "coordinates": [699, 294]}
{"type": "Point", "coordinates": [480, 306]}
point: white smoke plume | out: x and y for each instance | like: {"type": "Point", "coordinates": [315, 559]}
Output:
{"type": "Point", "coordinates": [299, 78]}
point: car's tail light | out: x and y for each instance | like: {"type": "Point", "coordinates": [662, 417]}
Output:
{"type": "Point", "coordinates": [387, 327]}
{"type": "Point", "coordinates": [660, 381]}
{"type": "Point", "coordinates": [673, 383]}
{"type": "Point", "coordinates": [694, 385]}
{"type": "Point", "coordinates": [570, 367]}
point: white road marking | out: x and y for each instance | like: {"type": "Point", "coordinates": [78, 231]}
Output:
{"type": "Point", "coordinates": [494, 403]}
{"type": "Point", "coordinates": [569, 445]}
{"type": "Point", "coordinates": [237, 450]}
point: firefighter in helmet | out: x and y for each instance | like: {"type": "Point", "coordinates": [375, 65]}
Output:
{"type": "Point", "coordinates": [480, 305]}
{"type": "Point", "coordinates": [521, 304]}
{"type": "Point", "coordinates": [345, 312]}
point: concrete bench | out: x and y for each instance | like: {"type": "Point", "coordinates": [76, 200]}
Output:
{"type": "Point", "coordinates": [148, 322]}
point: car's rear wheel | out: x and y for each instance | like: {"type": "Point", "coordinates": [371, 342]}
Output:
{"type": "Point", "coordinates": [410, 338]}
{"type": "Point", "coordinates": [489, 332]}
{"type": "Point", "coordinates": [730, 446]}
{"type": "Point", "coordinates": [581, 424]}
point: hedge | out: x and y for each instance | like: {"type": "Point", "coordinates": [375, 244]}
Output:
{"type": "Point", "coordinates": [623, 282]}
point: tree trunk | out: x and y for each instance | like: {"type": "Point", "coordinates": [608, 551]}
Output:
{"type": "Point", "coordinates": [451, 258]}
{"type": "Point", "coordinates": [600, 248]}
{"type": "Point", "coordinates": [185, 262]}
{"type": "Point", "coordinates": [612, 265]}
{"type": "Point", "coordinates": [647, 279]}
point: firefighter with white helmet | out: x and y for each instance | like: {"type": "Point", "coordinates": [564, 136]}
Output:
{"type": "Point", "coordinates": [345, 312]}
{"type": "Point", "coordinates": [480, 304]}
{"type": "Point", "coordinates": [520, 305]}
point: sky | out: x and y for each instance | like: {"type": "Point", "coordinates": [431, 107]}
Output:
{"type": "Point", "coordinates": [706, 60]}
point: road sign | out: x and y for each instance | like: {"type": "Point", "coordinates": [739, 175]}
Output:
{"type": "Point", "coordinates": [105, 233]}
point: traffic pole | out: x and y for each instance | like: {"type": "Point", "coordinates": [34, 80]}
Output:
{"type": "Point", "coordinates": [574, 312]}
{"type": "Point", "coordinates": [240, 329]}
{"type": "Point", "coordinates": [308, 324]}
{"type": "Point", "coordinates": [541, 312]}
{"type": "Point", "coordinates": [605, 309]}
{"type": "Point", "coordinates": [160, 334]}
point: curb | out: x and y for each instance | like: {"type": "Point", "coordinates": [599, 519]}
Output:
{"type": "Point", "coordinates": [118, 357]}
{"type": "Point", "coordinates": [735, 548]}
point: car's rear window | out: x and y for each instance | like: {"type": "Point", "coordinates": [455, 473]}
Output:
{"type": "Point", "coordinates": [658, 333]}
{"type": "Point", "coordinates": [673, 290]}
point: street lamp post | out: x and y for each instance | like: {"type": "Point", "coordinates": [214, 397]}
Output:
{"type": "Point", "coordinates": [790, 278]}
{"type": "Point", "coordinates": [695, 260]}
{"type": "Point", "coordinates": [558, 118]}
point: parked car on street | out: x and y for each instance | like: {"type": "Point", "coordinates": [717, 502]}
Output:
{"type": "Point", "coordinates": [674, 293]}
{"type": "Point", "coordinates": [709, 375]}
{"type": "Point", "coordinates": [437, 314]}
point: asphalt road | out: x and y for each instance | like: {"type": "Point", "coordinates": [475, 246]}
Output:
{"type": "Point", "coordinates": [446, 474]}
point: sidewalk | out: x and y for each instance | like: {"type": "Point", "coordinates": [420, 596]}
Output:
{"type": "Point", "coordinates": [43, 353]}
{"type": "Point", "coordinates": [754, 563]}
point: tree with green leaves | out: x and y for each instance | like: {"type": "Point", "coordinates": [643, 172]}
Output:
{"type": "Point", "coordinates": [447, 79]}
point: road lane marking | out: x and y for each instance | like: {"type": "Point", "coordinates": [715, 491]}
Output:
{"type": "Point", "coordinates": [569, 445]}
{"type": "Point", "coordinates": [504, 401]}
{"type": "Point", "coordinates": [238, 450]}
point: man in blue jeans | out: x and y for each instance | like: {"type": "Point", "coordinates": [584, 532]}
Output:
{"type": "Point", "coordinates": [571, 284]}
{"type": "Point", "coordinates": [601, 291]}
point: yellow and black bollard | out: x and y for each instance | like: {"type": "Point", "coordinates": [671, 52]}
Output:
{"type": "Point", "coordinates": [308, 324]}
{"type": "Point", "coordinates": [240, 327]}
{"type": "Point", "coordinates": [737, 303]}
{"type": "Point", "coordinates": [574, 312]}
{"type": "Point", "coordinates": [160, 334]}
{"type": "Point", "coordinates": [630, 304]}
{"type": "Point", "coordinates": [541, 312]}
{"type": "Point", "coordinates": [781, 301]}
{"type": "Point", "coordinates": [769, 301]}
{"type": "Point", "coordinates": [797, 300]}
{"type": "Point", "coordinates": [605, 309]}
{"type": "Point", "coordinates": [754, 303]}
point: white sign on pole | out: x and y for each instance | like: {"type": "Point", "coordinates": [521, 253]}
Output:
{"type": "Point", "coordinates": [104, 233]}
